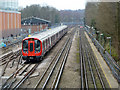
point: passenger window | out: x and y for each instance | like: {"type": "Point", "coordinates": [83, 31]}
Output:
{"type": "Point", "coordinates": [44, 44]}
{"type": "Point", "coordinates": [25, 46]}
{"type": "Point", "coordinates": [48, 41]}
{"type": "Point", "coordinates": [37, 46]}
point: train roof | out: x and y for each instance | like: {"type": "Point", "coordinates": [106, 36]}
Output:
{"type": "Point", "coordinates": [43, 35]}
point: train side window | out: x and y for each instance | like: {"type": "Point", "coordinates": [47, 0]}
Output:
{"type": "Point", "coordinates": [43, 46]}
{"type": "Point", "coordinates": [46, 43]}
{"type": "Point", "coordinates": [37, 46]}
{"type": "Point", "coordinates": [49, 41]}
{"type": "Point", "coordinates": [25, 46]}
{"type": "Point", "coordinates": [57, 35]}
{"type": "Point", "coordinates": [53, 37]}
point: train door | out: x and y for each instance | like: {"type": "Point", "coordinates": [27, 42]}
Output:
{"type": "Point", "coordinates": [31, 51]}
{"type": "Point", "coordinates": [56, 36]}
{"type": "Point", "coordinates": [48, 43]}
{"type": "Point", "coordinates": [44, 46]}
{"type": "Point", "coordinates": [52, 41]}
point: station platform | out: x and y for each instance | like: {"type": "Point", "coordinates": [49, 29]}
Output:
{"type": "Point", "coordinates": [105, 69]}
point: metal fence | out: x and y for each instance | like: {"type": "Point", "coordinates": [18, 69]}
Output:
{"type": "Point", "coordinates": [18, 35]}
{"type": "Point", "coordinates": [115, 68]}
{"type": "Point", "coordinates": [11, 37]}
{"type": "Point", "coordinates": [13, 40]}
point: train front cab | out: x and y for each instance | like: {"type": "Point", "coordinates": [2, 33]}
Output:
{"type": "Point", "coordinates": [31, 49]}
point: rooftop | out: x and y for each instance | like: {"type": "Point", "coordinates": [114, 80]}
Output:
{"type": "Point", "coordinates": [34, 21]}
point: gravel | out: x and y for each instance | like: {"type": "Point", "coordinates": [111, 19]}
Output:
{"type": "Point", "coordinates": [71, 73]}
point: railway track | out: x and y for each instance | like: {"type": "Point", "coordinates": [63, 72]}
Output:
{"type": "Point", "coordinates": [9, 56]}
{"type": "Point", "coordinates": [9, 61]}
{"type": "Point", "coordinates": [21, 68]}
{"type": "Point", "coordinates": [51, 76]}
{"type": "Point", "coordinates": [22, 73]}
{"type": "Point", "coordinates": [90, 73]}
{"type": "Point", "coordinates": [91, 77]}
{"type": "Point", "coordinates": [17, 78]}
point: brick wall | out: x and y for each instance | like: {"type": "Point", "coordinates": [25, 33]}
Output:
{"type": "Point", "coordinates": [10, 20]}
{"type": "Point", "coordinates": [10, 23]}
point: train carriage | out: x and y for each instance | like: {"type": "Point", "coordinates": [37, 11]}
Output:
{"type": "Point", "coordinates": [35, 47]}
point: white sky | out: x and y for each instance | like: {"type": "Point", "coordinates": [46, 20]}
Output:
{"type": "Point", "coordinates": [59, 4]}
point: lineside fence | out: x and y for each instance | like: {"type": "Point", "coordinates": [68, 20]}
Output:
{"type": "Point", "coordinates": [115, 68]}
{"type": "Point", "coordinates": [14, 40]}
{"type": "Point", "coordinates": [17, 39]}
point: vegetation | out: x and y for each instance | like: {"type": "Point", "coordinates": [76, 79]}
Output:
{"type": "Point", "coordinates": [71, 15]}
{"type": "Point", "coordinates": [105, 17]}
{"type": "Point", "coordinates": [46, 12]}
{"type": "Point", "coordinates": [52, 14]}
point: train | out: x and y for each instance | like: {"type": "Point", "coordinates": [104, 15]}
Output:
{"type": "Point", "coordinates": [36, 46]}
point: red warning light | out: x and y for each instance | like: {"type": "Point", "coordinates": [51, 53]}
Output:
{"type": "Point", "coordinates": [81, 26]}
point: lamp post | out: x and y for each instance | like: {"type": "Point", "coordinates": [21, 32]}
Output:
{"type": "Point", "coordinates": [97, 35]}
{"type": "Point", "coordinates": [29, 30]}
{"type": "Point", "coordinates": [101, 38]}
{"type": "Point", "coordinates": [89, 29]}
{"type": "Point", "coordinates": [109, 38]}
{"type": "Point", "coordinates": [92, 30]}
{"type": "Point", "coordinates": [94, 33]}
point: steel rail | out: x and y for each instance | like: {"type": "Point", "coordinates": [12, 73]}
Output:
{"type": "Point", "coordinates": [48, 68]}
{"type": "Point", "coordinates": [84, 66]}
{"type": "Point", "coordinates": [19, 61]}
{"type": "Point", "coordinates": [6, 55]}
{"type": "Point", "coordinates": [81, 63]}
{"type": "Point", "coordinates": [25, 77]}
{"type": "Point", "coordinates": [3, 63]}
{"type": "Point", "coordinates": [46, 71]}
{"type": "Point", "coordinates": [91, 70]}
{"type": "Point", "coordinates": [98, 73]}
{"type": "Point", "coordinates": [14, 56]}
{"type": "Point", "coordinates": [53, 68]}
{"type": "Point", "coordinates": [111, 62]}
{"type": "Point", "coordinates": [61, 68]}
{"type": "Point", "coordinates": [8, 86]}
{"type": "Point", "coordinates": [25, 70]}
{"type": "Point", "coordinates": [53, 84]}
{"type": "Point", "coordinates": [12, 75]}
{"type": "Point", "coordinates": [85, 73]}
{"type": "Point", "coordinates": [93, 60]}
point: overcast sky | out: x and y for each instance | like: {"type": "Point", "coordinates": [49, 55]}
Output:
{"type": "Point", "coordinates": [59, 4]}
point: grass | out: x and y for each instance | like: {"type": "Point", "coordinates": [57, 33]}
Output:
{"type": "Point", "coordinates": [77, 54]}
{"type": "Point", "coordinates": [113, 51]}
